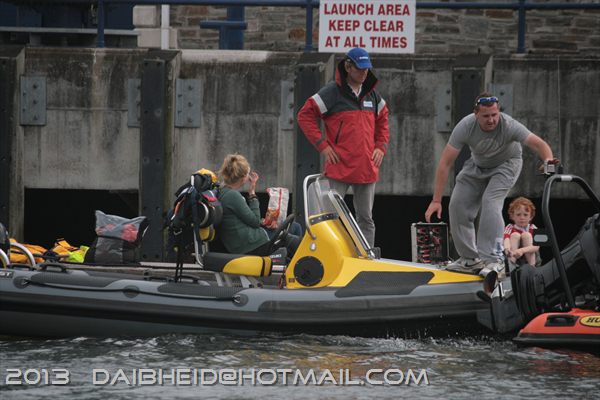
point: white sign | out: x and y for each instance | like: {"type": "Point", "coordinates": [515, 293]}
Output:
{"type": "Point", "coordinates": [378, 26]}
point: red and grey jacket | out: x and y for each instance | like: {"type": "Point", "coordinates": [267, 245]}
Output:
{"type": "Point", "coordinates": [354, 127]}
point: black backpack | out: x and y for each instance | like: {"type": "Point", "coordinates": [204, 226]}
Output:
{"type": "Point", "coordinates": [195, 214]}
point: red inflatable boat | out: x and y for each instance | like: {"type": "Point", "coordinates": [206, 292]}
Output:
{"type": "Point", "coordinates": [576, 328]}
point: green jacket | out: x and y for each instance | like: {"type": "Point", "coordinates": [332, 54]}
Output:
{"type": "Point", "coordinates": [240, 229]}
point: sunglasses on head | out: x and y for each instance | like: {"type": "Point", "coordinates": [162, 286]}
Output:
{"type": "Point", "coordinates": [486, 100]}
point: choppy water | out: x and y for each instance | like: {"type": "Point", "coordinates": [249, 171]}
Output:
{"type": "Point", "coordinates": [454, 368]}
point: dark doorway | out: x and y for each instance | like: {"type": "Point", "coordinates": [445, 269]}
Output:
{"type": "Point", "coordinates": [51, 214]}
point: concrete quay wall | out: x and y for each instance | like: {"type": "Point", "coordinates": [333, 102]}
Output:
{"type": "Point", "coordinates": [245, 103]}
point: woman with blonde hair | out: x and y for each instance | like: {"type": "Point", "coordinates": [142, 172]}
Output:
{"type": "Point", "coordinates": [240, 229]}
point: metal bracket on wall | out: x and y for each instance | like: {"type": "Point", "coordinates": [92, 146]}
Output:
{"type": "Point", "coordinates": [33, 100]}
{"type": "Point", "coordinates": [504, 91]}
{"type": "Point", "coordinates": [443, 108]}
{"type": "Point", "coordinates": [134, 101]}
{"type": "Point", "coordinates": [286, 111]}
{"type": "Point", "coordinates": [188, 103]}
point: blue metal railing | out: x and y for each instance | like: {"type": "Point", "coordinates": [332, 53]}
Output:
{"type": "Point", "coordinates": [231, 31]}
{"type": "Point", "coordinates": [521, 6]}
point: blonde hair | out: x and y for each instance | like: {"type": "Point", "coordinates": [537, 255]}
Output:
{"type": "Point", "coordinates": [521, 201]}
{"type": "Point", "coordinates": [235, 167]}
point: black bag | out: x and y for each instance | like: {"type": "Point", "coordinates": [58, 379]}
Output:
{"type": "Point", "coordinates": [119, 239]}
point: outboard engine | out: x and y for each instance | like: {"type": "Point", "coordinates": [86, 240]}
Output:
{"type": "Point", "coordinates": [541, 289]}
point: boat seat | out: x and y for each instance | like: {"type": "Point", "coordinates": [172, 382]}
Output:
{"type": "Point", "coordinates": [238, 264]}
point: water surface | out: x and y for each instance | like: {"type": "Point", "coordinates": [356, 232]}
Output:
{"type": "Point", "coordinates": [454, 368]}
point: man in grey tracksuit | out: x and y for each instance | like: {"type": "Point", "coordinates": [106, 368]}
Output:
{"type": "Point", "coordinates": [494, 139]}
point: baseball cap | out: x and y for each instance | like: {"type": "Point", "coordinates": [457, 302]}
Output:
{"type": "Point", "coordinates": [359, 57]}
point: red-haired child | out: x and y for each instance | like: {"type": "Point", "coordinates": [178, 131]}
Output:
{"type": "Point", "coordinates": [518, 236]}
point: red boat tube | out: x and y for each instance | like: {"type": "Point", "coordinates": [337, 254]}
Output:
{"type": "Point", "coordinates": [576, 328]}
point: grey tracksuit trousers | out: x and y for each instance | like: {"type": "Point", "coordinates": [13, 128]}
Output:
{"type": "Point", "coordinates": [481, 189]}
{"type": "Point", "coordinates": [364, 197]}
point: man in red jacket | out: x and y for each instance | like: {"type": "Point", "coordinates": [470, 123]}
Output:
{"type": "Point", "coordinates": [356, 133]}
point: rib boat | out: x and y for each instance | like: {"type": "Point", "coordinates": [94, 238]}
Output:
{"type": "Point", "coordinates": [333, 283]}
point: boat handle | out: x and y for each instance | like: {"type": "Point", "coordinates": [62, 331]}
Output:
{"type": "Point", "coordinates": [24, 250]}
{"type": "Point", "coordinates": [308, 179]}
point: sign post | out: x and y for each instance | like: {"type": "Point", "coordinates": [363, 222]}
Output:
{"type": "Point", "coordinates": [378, 26]}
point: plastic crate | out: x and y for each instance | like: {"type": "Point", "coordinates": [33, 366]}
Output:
{"type": "Point", "coordinates": [429, 242]}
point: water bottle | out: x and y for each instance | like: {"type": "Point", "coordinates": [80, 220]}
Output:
{"type": "Point", "coordinates": [499, 249]}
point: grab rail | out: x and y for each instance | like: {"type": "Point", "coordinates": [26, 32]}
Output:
{"type": "Point", "coordinates": [550, 227]}
{"type": "Point", "coordinates": [522, 6]}
{"type": "Point", "coordinates": [4, 258]}
{"type": "Point", "coordinates": [307, 179]}
{"type": "Point", "coordinates": [25, 251]}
